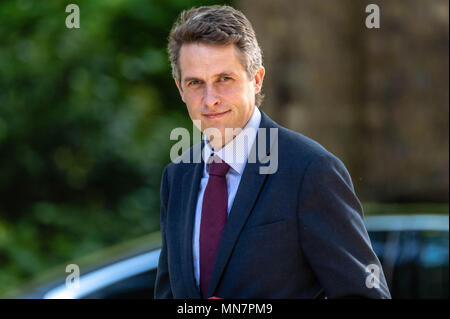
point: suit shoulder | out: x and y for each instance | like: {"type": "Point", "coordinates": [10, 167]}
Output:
{"type": "Point", "coordinates": [304, 150]}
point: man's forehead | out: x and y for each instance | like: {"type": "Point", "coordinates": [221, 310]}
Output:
{"type": "Point", "coordinates": [208, 47]}
{"type": "Point", "coordinates": [198, 58]}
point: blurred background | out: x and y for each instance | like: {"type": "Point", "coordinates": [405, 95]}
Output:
{"type": "Point", "coordinates": [85, 114]}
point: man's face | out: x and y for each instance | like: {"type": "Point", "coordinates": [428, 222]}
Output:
{"type": "Point", "coordinates": [216, 88]}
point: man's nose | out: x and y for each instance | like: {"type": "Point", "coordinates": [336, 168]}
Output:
{"type": "Point", "coordinates": [211, 98]}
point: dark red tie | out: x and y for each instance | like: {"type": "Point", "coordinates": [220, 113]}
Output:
{"type": "Point", "coordinates": [214, 217]}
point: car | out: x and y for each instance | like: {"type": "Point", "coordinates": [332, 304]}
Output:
{"type": "Point", "coordinates": [413, 250]}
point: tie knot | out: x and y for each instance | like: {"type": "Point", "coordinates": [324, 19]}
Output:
{"type": "Point", "coordinates": [217, 167]}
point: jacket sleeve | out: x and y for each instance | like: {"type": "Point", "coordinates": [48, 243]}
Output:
{"type": "Point", "coordinates": [163, 288]}
{"type": "Point", "coordinates": [333, 236]}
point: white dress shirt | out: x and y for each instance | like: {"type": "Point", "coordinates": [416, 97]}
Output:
{"type": "Point", "coordinates": [235, 153]}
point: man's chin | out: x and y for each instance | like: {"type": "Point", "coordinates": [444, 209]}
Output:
{"type": "Point", "coordinates": [213, 130]}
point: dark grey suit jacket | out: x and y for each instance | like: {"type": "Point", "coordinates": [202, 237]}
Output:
{"type": "Point", "coordinates": [297, 233]}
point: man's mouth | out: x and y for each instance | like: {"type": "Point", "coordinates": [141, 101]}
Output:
{"type": "Point", "coordinates": [215, 115]}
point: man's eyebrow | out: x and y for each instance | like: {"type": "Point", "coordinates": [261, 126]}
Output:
{"type": "Point", "coordinates": [226, 74]}
{"type": "Point", "coordinates": [191, 78]}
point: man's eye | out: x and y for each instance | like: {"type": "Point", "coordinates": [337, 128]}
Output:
{"type": "Point", "coordinates": [225, 78]}
{"type": "Point", "coordinates": [192, 83]}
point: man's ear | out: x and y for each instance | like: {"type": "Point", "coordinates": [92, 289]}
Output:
{"type": "Point", "coordinates": [179, 88]}
{"type": "Point", "coordinates": [259, 77]}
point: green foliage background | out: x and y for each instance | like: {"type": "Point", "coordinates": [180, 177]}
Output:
{"type": "Point", "coordinates": [85, 117]}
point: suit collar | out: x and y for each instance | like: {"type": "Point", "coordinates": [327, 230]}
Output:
{"type": "Point", "coordinates": [189, 194]}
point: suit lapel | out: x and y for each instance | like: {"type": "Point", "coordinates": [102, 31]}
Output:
{"type": "Point", "coordinates": [249, 188]}
{"type": "Point", "coordinates": [190, 187]}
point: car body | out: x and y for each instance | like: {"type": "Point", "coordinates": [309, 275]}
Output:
{"type": "Point", "coordinates": [413, 249]}
{"type": "Point", "coordinates": [414, 252]}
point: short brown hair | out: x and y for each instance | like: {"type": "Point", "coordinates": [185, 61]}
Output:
{"type": "Point", "coordinates": [220, 25]}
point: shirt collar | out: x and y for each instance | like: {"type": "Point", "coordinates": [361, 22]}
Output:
{"type": "Point", "coordinates": [235, 153]}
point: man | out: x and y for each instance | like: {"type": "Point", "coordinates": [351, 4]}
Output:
{"type": "Point", "coordinates": [229, 228]}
